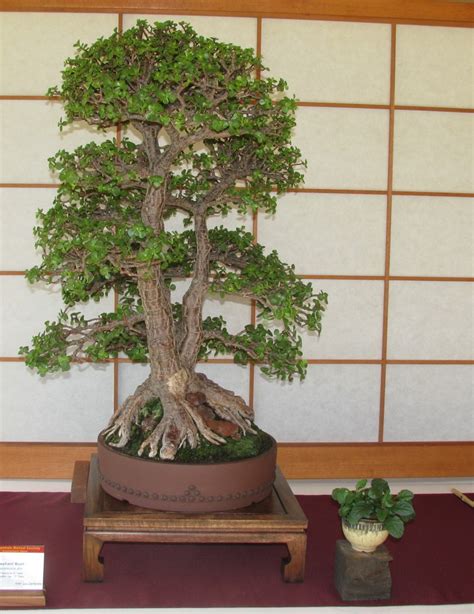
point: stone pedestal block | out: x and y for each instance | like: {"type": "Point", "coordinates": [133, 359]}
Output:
{"type": "Point", "coordinates": [361, 575]}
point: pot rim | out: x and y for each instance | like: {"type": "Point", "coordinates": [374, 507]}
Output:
{"type": "Point", "coordinates": [373, 522]}
{"type": "Point", "coordinates": [101, 441]}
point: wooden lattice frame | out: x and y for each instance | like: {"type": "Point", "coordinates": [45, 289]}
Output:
{"type": "Point", "coordinates": [299, 460]}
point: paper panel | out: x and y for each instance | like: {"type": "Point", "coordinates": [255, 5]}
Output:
{"type": "Point", "coordinates": [431, 321]}
{"type": "Point", "coordinates": [434, 66]}
{"type": "Point", "coordinates": [329, 61]}
{"type": "Point", "coordinates": [429, 403]}
{"type": "Point", "coordinates": [35, 45]}
{"type": "Point", "coordinates": [433, 151]}
{"type": "Point", "coordinates": [73, 406]}
{"type": "Point", "coordinates": [330, 234]}
{"type": "Point", "coordinates": [335, 403]}
{"type": "Point", "coordinates": [18, 208]}
{"type": "Point", "coordinates": [432, 236]}
{"type": "Point", "coordinates": [345, 148]}
{"type": "Point", "coordinates": [352, 323]}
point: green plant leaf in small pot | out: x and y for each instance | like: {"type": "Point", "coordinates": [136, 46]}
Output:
{"type": "Point", "coordinates": [361, 484]}
{"type": "Point", "coordinates": [378, 488]}
{"type": "Point", "coordinates": [404, 509]}
{"type": "Point", "coordinates": [340, 495]}
{"type": "Point", "coordinates": [360, 509]}
{"type": "Point", "coordinates": [395, 526]}
{"type": "Point", "coordinates": [375, 503]}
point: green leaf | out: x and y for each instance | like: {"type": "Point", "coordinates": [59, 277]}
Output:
{"type": "Point", "coordinates": [344, 511]}
{"type": "Point", "coordinates": [361, 484]}
{"type": "Point", "coordinates": [395, 526]}
{"type": "Point", "coordinates": [64, 363]}
{"type": "Point", "coordinates": [156, 180]}
{"type": "Point", "coordinates": [340, 495]}
{"type": "Point", "coordinates": [379, 487]}
{"type": "Point", "coordinates": [404, 509]}
{"type": "Point", "coordinates": [219, 124]}
{"type": "Point", "coordinates": [387, 500]}
{"type": "Point", "coordinates": [382, 515]}
{"type": "Point", "coordinates": [359, 510]}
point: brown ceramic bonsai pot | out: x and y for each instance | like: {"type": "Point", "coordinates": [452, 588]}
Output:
{"type": "Point", "coordinates": [186, 487]}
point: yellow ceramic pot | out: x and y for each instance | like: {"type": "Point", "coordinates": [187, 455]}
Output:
{"type": "Point", "coordinates": [366, 535]}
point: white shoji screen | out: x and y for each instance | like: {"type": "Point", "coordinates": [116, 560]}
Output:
{"type": "Point", "coordinates": [384, 223]}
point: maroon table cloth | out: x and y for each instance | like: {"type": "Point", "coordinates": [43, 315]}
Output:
{"type": "Point", "coordinates": [432, 563]}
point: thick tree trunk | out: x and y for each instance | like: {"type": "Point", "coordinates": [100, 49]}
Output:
{"type": "Point", "coordinates": [168, 379]}
{"type": "Point", "coordinates": [161, 338]}
{"type": "Point", "coordinates": [193, 405]}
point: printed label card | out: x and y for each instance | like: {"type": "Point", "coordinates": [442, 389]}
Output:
{"type": "Point", "coordinates": [21, 568]}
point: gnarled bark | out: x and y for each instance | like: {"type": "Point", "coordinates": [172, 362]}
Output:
{"type": "Point", "coordinates": [194, 408]}
{"type": "Point", "coordinates": [122, 421]}
{"type": "Point", "coordinates": [173, 354]}
{"type": "Point", "coordinates": [194, 298]}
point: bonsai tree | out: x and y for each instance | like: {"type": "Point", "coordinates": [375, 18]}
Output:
{"type": "Point", "coordinates": [211, 137]}
{"type": "Point", "coordinates": [375, 503]}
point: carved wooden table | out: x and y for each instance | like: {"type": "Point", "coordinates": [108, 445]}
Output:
{"type": "Point", "coordinates": [277, 519]}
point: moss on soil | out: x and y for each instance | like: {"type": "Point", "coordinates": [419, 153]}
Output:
{"type": "Point", "coordinates": [248, 446]}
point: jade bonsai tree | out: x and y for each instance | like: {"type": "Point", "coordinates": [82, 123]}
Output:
{"type": "Point", "coordinates": [211, 137]}
{"type": "Point", "coordinates": [375, 502]}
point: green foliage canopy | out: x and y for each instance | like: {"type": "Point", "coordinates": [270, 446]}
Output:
{"type": "Point", "coordinates": [211, 137]}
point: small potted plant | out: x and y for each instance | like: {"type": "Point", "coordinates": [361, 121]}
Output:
{"type": "Point", "coordinates": [370, 514]}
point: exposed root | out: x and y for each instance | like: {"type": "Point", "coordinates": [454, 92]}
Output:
{"type": "Point", "coordinates": [203, 428]}
{"type": "Point", "coordinates": [221, 427]}
{"type": "Point", "coordinates": [194, 407]}
{"type": "Point", "coordinates": [181, 424]}
{"type": "Point", "coordinates": [153, 439]}
{"type": "Point", "coordinates": [122, 421]}
{"type": "Point", "coordinates": [227, 405]}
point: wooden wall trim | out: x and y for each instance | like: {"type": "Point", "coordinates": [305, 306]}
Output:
{"type": "Point", "coordinates": [389, 460]}
{"type": "Point", "coordinates": [418, 11]}
{"type": "Point", "coordinates": [41, 460]}
{"type": "Point", "coordinates": [297, 461]}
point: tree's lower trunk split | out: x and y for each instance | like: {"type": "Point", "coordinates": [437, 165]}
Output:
{"type": "Point", "coordinates": [194, 407]}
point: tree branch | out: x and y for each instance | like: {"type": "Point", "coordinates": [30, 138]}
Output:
{"type": "Point", "coordinates": [174, 202]}
{"type": "Point", "coordinates": [194, 298]}
{"type": "Point", "coordinates": [81, 336]}
{"type": "Point", "coordinates": [231, 342]}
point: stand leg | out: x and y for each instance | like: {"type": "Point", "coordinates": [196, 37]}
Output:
{"type": "Point", "coordinates": [294, 564]}
{"type": "Point", "coordinates": [93, 566]}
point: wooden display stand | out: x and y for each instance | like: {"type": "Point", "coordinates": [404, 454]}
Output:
{"type": "Point", "coordinates": [277, 519]}
{"type": "Point", "coordinates": [22, 599]}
